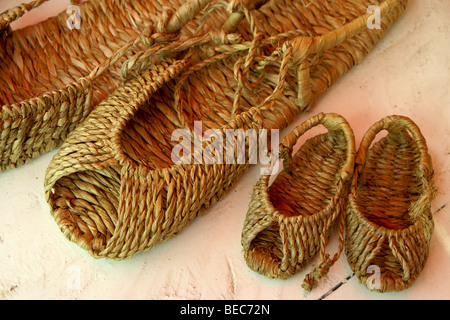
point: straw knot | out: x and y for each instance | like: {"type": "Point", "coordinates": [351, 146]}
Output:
{"type": "Point", "coordinates": [164, 21]}
{"type": "Point", "coordinates": [318, 272]}
{"type": "Point", "coordinates": [220, 37]}
{"type": "Point", "coordinates": [300, 49]}
{"type": "Point", "coordinates": [241, 5]}
{"type": "Point", "coordinates": [234, 6]}
{"type": "Point", "coordinates": [146, 36]}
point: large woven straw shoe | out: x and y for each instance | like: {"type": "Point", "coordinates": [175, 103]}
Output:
{"type": "Point", "coordinates": [389, 222]}
{"type": "Point", "coordinates": [115, 188]}
{"type": "Point", "coordinates": [290, 220]}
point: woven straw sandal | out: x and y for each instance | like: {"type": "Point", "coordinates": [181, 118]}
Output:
{"type": "Point", "coordinates": [290, 220]}
{"type": "Point", "coordinates": [389, 222]}
{"type": "Point", "coordinates": [113, 187]}
{"type": "Point", "coordinates": [51, 77]}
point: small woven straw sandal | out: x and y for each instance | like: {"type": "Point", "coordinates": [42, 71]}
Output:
{"type": "Point", "coordinates": [114, 188]}
{"type": "Point", "coordinates": [389, 222]}
{"type": "Point", "coordinates": [290, 221]}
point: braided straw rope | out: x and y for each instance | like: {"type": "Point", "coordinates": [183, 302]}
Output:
{"type": "Point", "coordinates": [113, 188]}
{"type": "Point", "coordinates": [290, 221]}
{"type": "Point", "coordinates": [389, 222]}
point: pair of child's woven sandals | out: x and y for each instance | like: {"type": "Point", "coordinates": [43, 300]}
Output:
{"type": "Point", "coordinates": [380, 195]}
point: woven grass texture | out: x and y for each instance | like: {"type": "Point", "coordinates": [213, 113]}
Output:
{"type": "Point", "coordinates": [113, 188]}
{"type": "Point", "coordinates": [389, 221]}
{"type": "Point", "coordinates": [51, 78]}
{"type": "Point", "coordinates": [290, 220]}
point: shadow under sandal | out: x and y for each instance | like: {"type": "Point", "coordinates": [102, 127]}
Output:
{"type": "Point", "coordinates": [389, 222]}
{"type": "Point", "coordinates": [290, 221]}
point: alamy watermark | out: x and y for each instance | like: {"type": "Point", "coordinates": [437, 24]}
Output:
{"type": "Point", "coordinates": [73, 280]}
{"type": "Point", "coordinates": [227, 146]}
{"type": "Point", "coordinates": [374, 21]}
{"type": "Point", "coordinates": [373, 282]}
{"type": "Point", "coordinates": [74, 20]}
